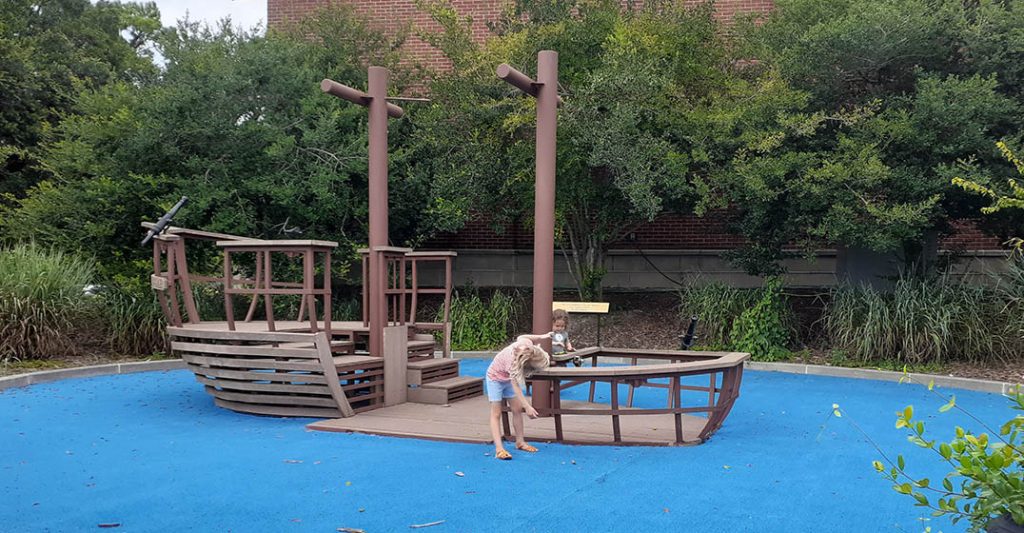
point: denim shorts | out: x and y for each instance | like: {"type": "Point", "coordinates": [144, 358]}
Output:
{"type": "Point", "coordinates": [497, 390]}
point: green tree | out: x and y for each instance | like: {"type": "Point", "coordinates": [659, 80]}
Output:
{"type": "Point", "coordinates": [237, 122]}
{"type": "Point", "coordinates": [930, 88]}
{"type": "Point", "coordinates": [1013, 199]}
{"type": "Point", "coordinates": [625, 77]}
{"type": "Point", "coordinates": [52, 50]}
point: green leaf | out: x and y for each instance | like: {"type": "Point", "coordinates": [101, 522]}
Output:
{"type": "Point", "coordinates": [900, 462]}
{"type": "Point", "coordinates": [908, 412]}
{"type": "Point", "coordinates": [931, 385]}
{"type": "Point", "coordinates": [945, 451]}
{"type": "Point", "coordinates": [947, 484]}
{"type": "Point", "coordinates": [948, 406]}
{"type": "Point", "coordinates": [878, 465]}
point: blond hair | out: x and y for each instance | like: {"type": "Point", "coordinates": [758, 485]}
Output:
{"type": "Point", "coordinates": [527, 362]}
{"type": "Point", "coordinates": [560, 314]}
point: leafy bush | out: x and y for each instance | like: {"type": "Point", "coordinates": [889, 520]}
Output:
{"type": "Point", "coordinates": [41, 301]}
{"type": "Point", "coordinates": [760, 330]}
{"type": "Point", "coordinates": [481, 326]}
{"type": "Point", "coordinates": [926, 321]}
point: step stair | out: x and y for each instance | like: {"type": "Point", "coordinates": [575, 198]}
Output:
{"type": "Point", "coordinates": [446, 391]}
{"type": "Point", "coordinates": [419, 372]}
{"type": "Point", "coordinates": [421, 346]}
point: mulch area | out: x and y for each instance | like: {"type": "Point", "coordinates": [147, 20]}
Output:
{"type": "Point", "coordinates": [645, 320]}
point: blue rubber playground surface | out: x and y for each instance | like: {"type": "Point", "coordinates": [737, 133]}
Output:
{"type": "Point", "coordinates": [150, 452]}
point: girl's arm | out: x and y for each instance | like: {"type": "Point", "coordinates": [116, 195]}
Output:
{"type": "Point", "coordinates": [534, 338]}
{"type": "Point", "coordinates": [530, 411]}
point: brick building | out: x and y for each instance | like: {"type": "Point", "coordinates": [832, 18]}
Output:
{"type": "Point", "coordinates": [390, 15]}
{"type": "Point", "coordinates": [675, 246]}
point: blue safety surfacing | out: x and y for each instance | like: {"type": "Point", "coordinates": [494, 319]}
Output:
{"type": "Point", "coordinates": [150, 452]}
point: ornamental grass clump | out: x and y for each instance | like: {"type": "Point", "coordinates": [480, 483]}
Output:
{"type": "Point", "coordinates": [134, 323]}
{"type": "Point", "coordinates": [717, 305]}
{"type": "Point", "coordinates": [42, 303]}
{"type": "Point", "coordinates": [922, 321]}
{"type": "Point", "coordinates": [479, 325]}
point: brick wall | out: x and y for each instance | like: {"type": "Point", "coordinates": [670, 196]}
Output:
{"type": "Point", "coordinates": [668, 232]}
{"type": "Point", "coordinates": [389, 15]}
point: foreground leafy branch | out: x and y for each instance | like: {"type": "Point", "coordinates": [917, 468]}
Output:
{"type": "Point", "coordinates": [987, 476]}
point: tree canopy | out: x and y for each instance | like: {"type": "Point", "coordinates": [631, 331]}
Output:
{"type": "Point", "coordinates": [235, 121]}
{"type": "Point", "coordinates": [51, 51]}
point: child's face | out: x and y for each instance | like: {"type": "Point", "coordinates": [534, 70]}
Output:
{"type": "Point", "coordinates": [558, 325]}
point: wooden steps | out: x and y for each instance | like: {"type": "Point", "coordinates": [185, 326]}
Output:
{"type": "Point", "coordinates": [421, 347]}
{"type": "Point", "coordinates": [428, 370]}
{"type": "Point", "coordinates": [446, 391]}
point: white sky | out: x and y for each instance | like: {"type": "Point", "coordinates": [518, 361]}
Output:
{"type": "Point", "coordinates": [245, 13]}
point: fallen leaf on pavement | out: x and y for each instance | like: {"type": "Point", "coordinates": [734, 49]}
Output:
{"type": "Point", "coordinates": [428, 524]}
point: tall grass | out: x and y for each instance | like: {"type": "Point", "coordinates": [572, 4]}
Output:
{"type": "Point", "coordinates": [926, 321]}
{"type": "Point", "coordinates": [133, 321]}
{"type": "Point", "coordinates": [718, 306]}
{"type": "Point", "coordinates": [479, 325]}
{"type": "Point", "coordinates": [41, 301]}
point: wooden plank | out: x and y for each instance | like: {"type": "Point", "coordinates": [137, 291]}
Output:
{"type": "Point", "coordinates": [581, 307]}
{"type": "Point", "coordinates": [428, 364]}
{"type": "Point", "coordinates": [357, 362]}
{"type": "Point", "coordinates": [271, 399]}
{"type": "Point", "coordinates": [431, 396]}
{"type": "Point", "coordinates": [396, 360]}
{"type": "Point", "coordinates": [284, 377]}
{"type": "Point", "coordinates": [461, 422]}
{"type": "Point", "coordinates": [663, 370]}
{"type": "Point", "coordinates": [426, 255]}
{"type": "Point", "coordinates": [194, 233]}
{"type": "Point", "coordinates": [452, 383]}
{"type": "Point", "coordinates": [252, 351]}
{"type": "Point", "coordinates": [252, 336]}
{"type": "Point", "coordinates": [277, 410]}
{"type": "Point", "coordinates": [275, 245]}
{"type": "Point", "coordinates": [323, 347]}
{"type": "Point", "coordinates": [312, 390]}
{"type": "Point", "coordinates": [250, 364]}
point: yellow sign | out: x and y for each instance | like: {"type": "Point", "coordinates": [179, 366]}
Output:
{"type": "Point", "coordinates": [581, 307]}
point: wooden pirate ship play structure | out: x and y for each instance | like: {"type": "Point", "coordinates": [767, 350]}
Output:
{"type": "Point", "coordinates": [389, 372]}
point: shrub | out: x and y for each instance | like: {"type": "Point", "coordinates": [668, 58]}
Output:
{"type": "Point", "coordinates": [987, 476]}
{"type": "Point", "coordinates": [41, 301]}
{"type": "Point", "coordinates": [761, 330]}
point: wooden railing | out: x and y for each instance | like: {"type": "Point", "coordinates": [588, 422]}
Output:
{"type": "Point", "coordinates": [669, 365]}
